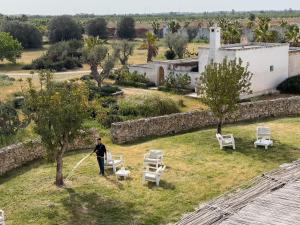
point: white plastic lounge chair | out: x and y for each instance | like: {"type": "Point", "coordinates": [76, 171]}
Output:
{"type": "Point", "coordinates": [114, 161]}
{"type": "Point", "coordinates": [263, 137]}
{"type": "Point", "coordinates": [153, 174]}
{"type": "Point", "coordinates": [225, 140]}
{"type": "Point", "coordinates": [2, 221]}
{"type": "Point", "coordinates": [154, 157]}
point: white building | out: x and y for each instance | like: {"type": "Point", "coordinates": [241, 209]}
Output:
{"type": "Point", "coordinates": [270, 63]}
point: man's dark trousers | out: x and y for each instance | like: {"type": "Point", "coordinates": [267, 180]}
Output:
{"type": "Point", "coordinates": [101, 164]}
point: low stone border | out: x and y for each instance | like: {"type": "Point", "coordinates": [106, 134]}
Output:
{"type": "Point", "coordinates": [130, 131]}
{"type": "Point", "coordinates": [16, 155]}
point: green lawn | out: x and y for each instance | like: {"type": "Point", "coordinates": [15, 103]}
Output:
{"type": "Point", "coordinates": [197, 171]}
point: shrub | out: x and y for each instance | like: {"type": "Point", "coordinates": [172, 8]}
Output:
{"type": "Point", "coordinates": [290, 85]}
{"type": "Point", "coordinates": [170, 54]}
{"type": "Point", "coordinates": [6, 80]}
{"type": "Point", "coordinates": [18, 102]}
{"type": "Point", "coordinates": [134, 79]}
{"type": "Point", "coordinates": [9, 121]}
{"type": "Point", "coordinates": [87, 77]}
{"type": "Point", "coordinates": [98, 92]}
{"type": "Point", "coordinates": [59, 57]}
{"type": "Point", "coordinates": [177, 81]}
{"type": "Point", "coordinates": [147, 106]}
{"type": "Point", "coordinates": [109, 90]}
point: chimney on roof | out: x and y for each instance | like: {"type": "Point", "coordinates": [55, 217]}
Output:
{"type": "Point", "coordinates": [214, 41]}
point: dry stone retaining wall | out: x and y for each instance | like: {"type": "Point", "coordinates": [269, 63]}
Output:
{"type": "Point", "coordinates": [176, 123]}
{"type": "Point", "coordinates": [16, 155]}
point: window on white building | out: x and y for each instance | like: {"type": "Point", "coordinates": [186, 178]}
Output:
{"type": "Point", "coordinates": [271, 68]}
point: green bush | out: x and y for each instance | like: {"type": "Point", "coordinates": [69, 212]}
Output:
{"type": "Point", "coordinates": [6, 80]}
{"type": "Point", "coordinates": [109, 90]}
{"type": "Point", "coordinates": [18, 102]}
{"type": "Point", "coordinates": [147, 106]}
{"type": "Point", "coordinates": [87, 77]}
{"type": "Point", "coordinates": [170, 54]}
{"type": "Point", "coordinates": [290, 85]}
{"type": "Point", "coordinates": [135, 79]}
{"type": "Point", "coordinates": [97, 92]}
{"type": "Point", "coordinates": [59, 57]}
{"type": "Point", "coordinates": [177, 82]}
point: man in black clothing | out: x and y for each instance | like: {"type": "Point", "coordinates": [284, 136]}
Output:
{"type": "Point", "coordinates": [100, 151]}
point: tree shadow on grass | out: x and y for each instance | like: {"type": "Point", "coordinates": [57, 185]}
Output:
{"type": "Point", "coordinates": [94, 208]}
{"type": "Point", "coordinates": [23, 169]}
{"type": "Point", "coordinates": [279, 153]}
{"type": "Point", "coordinates": [162, 184]}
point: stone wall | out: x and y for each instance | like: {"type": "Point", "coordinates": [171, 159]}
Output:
{"type": "Point", "coordinates": [16, 155]}
{"type": "Point", "coordinates": [176, 123]}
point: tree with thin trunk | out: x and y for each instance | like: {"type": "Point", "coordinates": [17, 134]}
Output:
{"type": "Point", "coordinates": [123, 50]}
{"type": "Point", "coordinates": [221, 85]}
{"type": "Point", "coordinates": [177, 43]}
{"type": "Point", "coordinates": [58, 112]}
{"type": "Point", "coordinates": [97, 55]}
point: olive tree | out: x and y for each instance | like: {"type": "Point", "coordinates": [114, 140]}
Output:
{"type": "Point", "coordinates": [177, 43]}
{"type": "Point", "coordinates": [123, 50]}
{"type": "Point", "coordinates": [58, 112]}
{"type": "Point", "coordinates": [220, 87]}
{"type": "Point", "coordinates": [97, 56]}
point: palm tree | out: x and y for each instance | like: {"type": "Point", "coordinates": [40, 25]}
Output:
{"type": "Point", "coordinates": [151, 41]}
{"type": "Point", "coordinates": [231, 31]}
{"type": "Point", "coordinates": [174, 26]}
{"type": "Point", "coordinates": [155, 26]}
{"type": "Point", "coordinates": [293, 35]}
{"type": "Point", "coordinates": [262, 32]}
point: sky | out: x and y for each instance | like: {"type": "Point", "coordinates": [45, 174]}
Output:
{"type": "Point", "coordinates": [104, 7]}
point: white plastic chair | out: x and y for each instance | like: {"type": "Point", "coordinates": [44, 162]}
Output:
{"type": "Point", "coordinates": [263, 137]}
{"type": "Point", "coordinates": [263, 133]}
{"type": "Point", "coordinates": [114, 161]}
{"type": "Point", "coordinates": [226, 140]}
{"type": "Point", "coordinates": [154, 157]}
{"type": "Point", "coordinates": [153, 174]}
{"type": "Point", "coordinates": [2, 219]}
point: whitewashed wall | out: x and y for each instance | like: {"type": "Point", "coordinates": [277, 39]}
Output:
{"type": "Point", "coordinates": [145, 69]}
{"type": "Point", "coordinates": [260, 60]}
{"type": "Point", "coordinates": [294, 63]}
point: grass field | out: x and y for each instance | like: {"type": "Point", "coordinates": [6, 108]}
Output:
{"type": "Point", "coordinates": [189, 103]}
{"type": "Point", "coordinates": [197, 171]}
